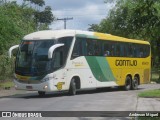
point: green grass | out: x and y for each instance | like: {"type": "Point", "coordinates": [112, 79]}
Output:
{"type": "Point", "coordinates": [155, 77]}
{"type": "Point", "coordinates": [6, 84]}
{"type": "Point", "coordinates": [150, 93]}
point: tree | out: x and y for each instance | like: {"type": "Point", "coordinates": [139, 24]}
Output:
{"type": "Point", "coordinates": [12, 18]}
{"type": "Point", "coordinates": [44, 18]}
{"type": "Point", "coordinates": [37, 3]}
{"type": "Point", "coordinates": [139, 19]}
{"type": "Point", "coordinates": [15, 22]}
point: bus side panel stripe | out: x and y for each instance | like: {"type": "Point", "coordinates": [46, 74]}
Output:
{"type": "Point", "coordinates": [100, 68]}
{"type": "Point", "coordinates": [105, 68]}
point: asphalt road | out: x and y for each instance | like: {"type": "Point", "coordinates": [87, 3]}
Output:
{"type": "Point", "coordinates": [88, 100]}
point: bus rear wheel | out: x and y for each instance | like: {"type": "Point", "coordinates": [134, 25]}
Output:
{"type": "Point", "coordinates": [135, 83]}
{"type": "Point", "coordinates": [72, 89]}
{"type": "Point", "coordinates": [128, 84]}
{"type": "Point", "coordinates": [41, 93]}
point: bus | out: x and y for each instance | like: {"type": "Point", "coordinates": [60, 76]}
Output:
{"type": "Point", "coordinates": [71, 60]}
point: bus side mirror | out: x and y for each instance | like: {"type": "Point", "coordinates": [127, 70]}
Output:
{"type": "Point", "coordinates": [11, 49]}
{"type": "Point", "coordinates": [52, 48]}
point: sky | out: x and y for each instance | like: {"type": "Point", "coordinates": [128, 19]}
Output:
{"type": "Point", "coordinates": [83, 12]}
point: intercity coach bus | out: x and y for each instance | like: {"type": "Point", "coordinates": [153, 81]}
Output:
{"type": "Point", "coordinates": [69, 60]}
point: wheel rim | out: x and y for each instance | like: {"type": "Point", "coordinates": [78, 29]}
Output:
{"type": "Point", "coordinates": [135, 84]}
{"type": "Point", "coordinates": [128, 84]}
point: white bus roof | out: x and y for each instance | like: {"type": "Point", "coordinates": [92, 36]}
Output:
{"type": "Point", "coordinates": [54, 34]}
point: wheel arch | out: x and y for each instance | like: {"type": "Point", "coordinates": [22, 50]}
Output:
{"type": "Point", "coordinates": [128, 82]}
{"type": "Point", "coordinates": [129, 75]}
{"type": "Point", "coordinates": [77, 81]}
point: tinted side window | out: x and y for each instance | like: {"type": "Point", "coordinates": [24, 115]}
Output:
{"type": "Point", "coordinates": [80, 48]}
{"type": "Point", "coordinates": [67, 43]}
{"type": "Point", "coordinates": [106, 48]}
{"type": "Point", "coordinates": [143, 51]}
{"type": "Point", "coordinates": [93, 47]}
{"type": "Point", "coordinates": [77, 50]}
{"type": "Point", "coordinates": [118, 49]}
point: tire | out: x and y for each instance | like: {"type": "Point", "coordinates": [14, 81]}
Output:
{"type": "Point", "coordinates": [72, 89]}
{"type": "Point", "coordinates": [41, 93]}
{"type": "Point", "coordinates": [128, 83]}
{"type": "Point", "coordinates": [135, 83]}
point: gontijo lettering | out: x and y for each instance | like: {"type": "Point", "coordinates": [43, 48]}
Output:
{"type": "Point", "coordinates": [126, 62]}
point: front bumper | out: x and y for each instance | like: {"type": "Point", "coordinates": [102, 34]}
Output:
{"type": "Point", "coordinates": [44, 86]}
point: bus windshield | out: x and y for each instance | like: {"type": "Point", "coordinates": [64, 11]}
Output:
{"type": "Point", "coordinates": [32, 58]}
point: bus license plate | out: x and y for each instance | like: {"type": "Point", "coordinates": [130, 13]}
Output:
{"type": "Point", "coordinates": [29, 87]}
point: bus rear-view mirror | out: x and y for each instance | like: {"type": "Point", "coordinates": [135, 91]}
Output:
{"type": "Point", "coordinates": [52, 48]}
{"type": "Point", "coordinates": [11, 49]}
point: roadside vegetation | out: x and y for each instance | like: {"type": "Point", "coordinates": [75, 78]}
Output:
{"type": "Point", "coordinates": [6, 85]}
{"type": "Point", "coordinates": [155, 75]}
{"type": "Point", "coordinates": [155, 78]}
{"type": "Point", "coordinates": [150, 94]}
{"type": "Point", "coordinates": [17, 20]}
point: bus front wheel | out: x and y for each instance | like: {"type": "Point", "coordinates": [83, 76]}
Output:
{"type": "Point", "coordinates": [72, 89]}
{"type": "Point", "coordinates": [128, 84]}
